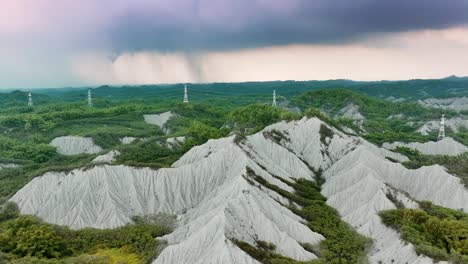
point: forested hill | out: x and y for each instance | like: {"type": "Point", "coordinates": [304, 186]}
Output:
{"type": "Point", "coordinates": [16, 98]}
{"type": "Point", "coordinates": [250, 92]}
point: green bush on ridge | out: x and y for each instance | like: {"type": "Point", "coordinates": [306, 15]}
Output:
{"type": "Point", "coordinates": [342, 244]}
{"type": "Point", "coordinates": [437, 232]}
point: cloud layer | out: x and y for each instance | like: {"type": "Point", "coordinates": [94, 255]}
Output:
{"type": "Point", "coordinates": [44, 39]}
{"type": "Point", "coordinates": [417, 54]}
{"type": "Point", "coordinates": [174, 25]}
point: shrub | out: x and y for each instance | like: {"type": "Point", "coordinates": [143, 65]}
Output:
{"type": "Point", "coordinates": [27, 236]}
{"type": "Point", "coordinates": [437, 232]}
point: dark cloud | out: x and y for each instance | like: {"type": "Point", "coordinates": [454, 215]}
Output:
{"type": "Point", "coordinates": [186, 25]}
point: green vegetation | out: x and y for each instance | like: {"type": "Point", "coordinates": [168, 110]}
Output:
{"type": "Point", "coordinates": [26, 238]}
{"type": "Point", "coordinates": [342, 245]}
{"type": "Point", "coordinates": [264, 253]}
{"type": "Point", "coordinates": [378, 123]}
{"type": "Point", "coordinates": [255, 117]}
{"type": "Point", "coordinates": [325, 132]}
{"type": "Point", "coordinates": [461, 136]}
{"type": "Point", "coordinates": [435, 231]}
{"type": "Point", "coordinates": [333, 100]}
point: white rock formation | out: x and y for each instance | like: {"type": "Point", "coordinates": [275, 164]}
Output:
{"type": "Point", "coordinates": [455, 103]}
{"type": "Point", "coordinates": [208, 183]}
{"type": "Point", "coordinates": [175, 141]}
{"type": "Point", "coordinates": [351, 111]}
{"type": "Point", "coordinates": [357, 186]}
{"type": "Point", "coordinates": [446, 146]}
{"type": "Point", "coordinates": [454, 123]}
{"type": "Point", "coordinates": [73, 145]}
{"type": "Point", "coordinates": [396, 116]}
{"type": "Point", "coordinates": [106, 158]}
{"type": "Point", "coordinates": [215, 200]}
{"type": "Point", "coordinates": [127, 140]}
{"type": "Point", "coordinates": [158, 119]}
{"type": "Point", "coordinates": [8, 166]}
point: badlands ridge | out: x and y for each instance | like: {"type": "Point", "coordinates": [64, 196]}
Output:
{"type": "Point", "coordinates": [215, 201]}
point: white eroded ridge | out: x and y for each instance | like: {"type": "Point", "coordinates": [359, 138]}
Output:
{"type": "Point", "coordinates": [127, 140]}
{"type": "Point", "coordinates": [446, 146]}
{"type": "Point", "coordinates": [106, 158]}
{"type": "Point", "coordinates": [455, 124]}
{"type": "Point", "coordinates": [8, 166]}
{"type": "Point", "coordinates": [455, 103]}
{"type": "Point", "coordinates": [73, 145]}
{"type": "Point", "coordinates": [158, 119]}
{"type": "Point", "coordinates": [351, 111]}
{"type": "Point", "coordinates": [210, 191]}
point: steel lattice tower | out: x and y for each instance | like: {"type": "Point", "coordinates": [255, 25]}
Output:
{"type": "Point", "coordinates": [274, 99]}
{"type": "Point", "coordinates": [90, 99]}
{"type": "Point", "coordinates": [441, 128]}
{"type": "Point", "coordinates": [185, 94]}
{"type": "Point", "coordinates": [30, 101]}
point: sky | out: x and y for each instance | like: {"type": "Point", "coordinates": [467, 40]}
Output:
{"type": "Point", "coordinates": [65, 43]}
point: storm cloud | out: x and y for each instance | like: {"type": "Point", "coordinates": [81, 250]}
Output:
{"type": "Point", "coordinates": [71, 42]}
{"type": "Point", "coordinates": [221, 24]}
{"type": "Point", "coordinates": [194, 25]}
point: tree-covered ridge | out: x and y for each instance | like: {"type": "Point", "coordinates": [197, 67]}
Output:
{"type": "Point", "coordinates": [26, 239]}
{"type": "Point", "coordinates": [333, 100]}
{"type": "Point", "coordinates": [383, 121]}
{"type": "Point", "coordinates": [251, 92]}
{"type": "Point", "coordinates": [257, 116]}
{"type": "Point", "coordinates": [437, 232]}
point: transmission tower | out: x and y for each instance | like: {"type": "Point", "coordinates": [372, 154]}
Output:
{"type": "Point", "coordinates": [441, 128]}
{"type": "Point", "coordinates": [185, 94]}
{"type": "Point", "coordinates": [274, 99]}
{"type": "Point", "coordinates": [90, 99]}
{"type": "Point", "coordinates": [30, 101]}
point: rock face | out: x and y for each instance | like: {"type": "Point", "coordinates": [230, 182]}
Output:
{"type": "Point", "coordinates": [175, 141]}
{"type": "Point", "coordinates": [8, 166]}
{"type": "Point", "coordinates": [455, 103]}
{"type": "Point", "coordinates": [455, 124]}
{"type": "Point", "coordinates": [127, 140]}
{"type": "Point", "coordinates": [158, 119]}
{"type": "Point", "coordinates": [446, 146]}
{"type": "Point", "coordinates": [72, 145]}
{"type": "Point", "coordinates": [106, 158]}
{"type": "Point", "coordinates": [351, 111]}
{"type": "Point", "coordinates": [215, 200]}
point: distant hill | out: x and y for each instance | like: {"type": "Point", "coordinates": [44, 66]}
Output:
{"type": "Point", "coordinates": [20, 98]}
{"type": "Point", "coordinates": [251, 92]}
{"type": "Point", "coordinates": [410, 90]}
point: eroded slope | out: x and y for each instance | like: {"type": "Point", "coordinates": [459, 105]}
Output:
{"type": "Point", "coordinates": [209, 190]}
